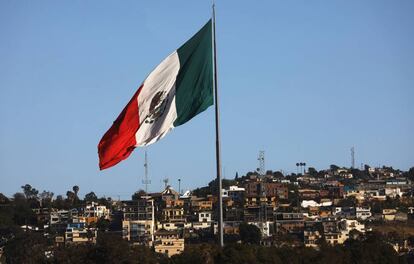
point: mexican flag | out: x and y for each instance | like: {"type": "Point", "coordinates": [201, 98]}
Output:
{"type": "Point", "coordinates": [178, 89]}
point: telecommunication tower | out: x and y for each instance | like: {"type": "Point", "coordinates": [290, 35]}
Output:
{"type": "Point", "coordinates": [262, 173]}
{"type": "Point", "coordinates": [146, 180]}
{"type": "Point", "coordinates": [261, 159]}
{"type": "Point", "coordinates": [352, 158]}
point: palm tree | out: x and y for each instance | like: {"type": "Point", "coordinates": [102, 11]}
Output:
{"type": "Point", "coordinates": [76, 190]}
{"type": "Point", "coordinates": [297, 168]}
{"type": "Point", "coordinates": [304, 167]}
{"type": "Point", "coordinates": [301, 164]}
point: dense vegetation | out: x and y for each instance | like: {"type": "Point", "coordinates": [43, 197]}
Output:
{"type": "Point", "coordinates": [110, 248]}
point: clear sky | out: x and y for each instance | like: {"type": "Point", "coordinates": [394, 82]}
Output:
{"type": "Point", "coordinates": [302, 80]}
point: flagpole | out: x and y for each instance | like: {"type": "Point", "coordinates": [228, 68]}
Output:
{"type": "Point", "coordinates": [218, 151]}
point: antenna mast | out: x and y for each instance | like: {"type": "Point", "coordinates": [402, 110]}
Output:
{"type": "Point", "coordinates": [165, 183]}
{"type": "Point", "coordinates": [352, 158]}
{"type": "Point", "coordinates": [146, 180]}
{"type": "Point", "coordinates": [261, 160]}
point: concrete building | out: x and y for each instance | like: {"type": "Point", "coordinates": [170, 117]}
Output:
{"type": "Point", "coordinates": [138, 225]}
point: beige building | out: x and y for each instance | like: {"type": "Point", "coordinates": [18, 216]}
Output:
{"type": "Point", "coordinates": [78, 233]}
{"type": "Point", "coordinates": [339, 232]}
{"type": "Point", "coordinates": [310, 238]}
{"type": "Point", "coordinates": [168, 242]}
{"type": "Point", "coordinates": [138, 231]}
{"type": "Point", "coordinates": [388, 214]}
{"type": "Point", "coordinates": [201, 204]}
{"type": "Point", "coordinates": [173, 214]}
{"type": "Point", "coordinates": [139, 221]}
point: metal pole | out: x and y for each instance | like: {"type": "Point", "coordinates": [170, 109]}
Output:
{"type": "Point", "coordinates": [217, 115]}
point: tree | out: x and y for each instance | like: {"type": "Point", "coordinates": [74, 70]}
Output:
{"type": "Point", "coordinates": [70, 198]}
{"type": "Point", "coordinates": [238, 254]}
{"type": "Point", "coordinates": [21, 211]}
{"type": "Point", "coordinates": [3, 199]}
{"type": "Point", "coordinates": [348, 202]}
{"type": "Point", "coordinates": [105, 201]}
{"type": "Point", "coordinates": [138, 194]}
{"type": "Point", "coordinates": [278, 174]}
{"type": "Point", "coordinates": [19, 198]}
{"type": "Point", "coordinates": [197, 253]}
{"type": "Point", "coordinates": [59, 203]}
{"type": "Point", "coordinates": [26, 247]}
{"type": "Point", "coordinates": [91, 197]}
{"type": "Point", "coordinates": [30, 192]}
{"type": "Point", "coordinates": [109, 248]}
{"type": "Point", "coordinates": [312, 171]}
{"type": "Point", "coordinates": [46, 198]}
{"type": "Point", "coordinates": [250, 233]}
{"type": "Point", "coordinates": [201, 192]}
{"type": "Point", "coordinates": [410, 174]}
{"type": "Point", "coordinates": [102, 224]}
{"type": "Point", "coordinates": [333, 167]}
{"type": "Point", "coordinates": [226, 183]}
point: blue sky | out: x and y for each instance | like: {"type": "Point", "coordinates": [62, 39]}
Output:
{"type": "Point", "coordinates": [302, 80]}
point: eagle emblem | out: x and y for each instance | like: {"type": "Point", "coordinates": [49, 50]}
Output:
{"type": "Point", "coordinates": [157, 106]}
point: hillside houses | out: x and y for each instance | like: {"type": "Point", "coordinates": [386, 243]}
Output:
{"type": "Point", "coordinates": [330, 206]}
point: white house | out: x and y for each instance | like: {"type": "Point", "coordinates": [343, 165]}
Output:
{"type": "Point", "coordinates": [363, 213]}
{"type": "Point", "coordinates": [96, 210]}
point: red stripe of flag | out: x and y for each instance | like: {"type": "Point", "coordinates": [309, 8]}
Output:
{"type": "Point", "coordinates": [119, 141]}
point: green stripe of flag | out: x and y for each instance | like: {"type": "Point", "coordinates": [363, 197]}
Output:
{"type": "Point", "coordinates": [194, 84]}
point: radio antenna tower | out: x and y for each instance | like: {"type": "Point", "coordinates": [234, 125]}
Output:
{"type": "Point", "coordinates": [146, 180]}
{"type": "Point", "coordinates": [353, 158]}
{"type": "Point", "coordinates": [165, 182]}
{"type": "Point", "coordinates": [261, 160]}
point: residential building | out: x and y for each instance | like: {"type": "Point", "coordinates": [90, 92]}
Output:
{"type": "Point", "coordinates": [363, 213]}
{"type": "Point", "coordinates": [289, 222]}
{"type": "Point", "coordinates": [311, 237]}
{"type": "Point", "coordinates": [138, 231]}
{"type": "Point", "coordinates": [138, 225]}
{"type": "Point", "coordinates": [389, 214]}
{"type": "Point", "coordinates": [95, 210]}
{"type": "Point", "coordinates": [168, 242]}
{"type": "Point", "coordinates": [79, 233]}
